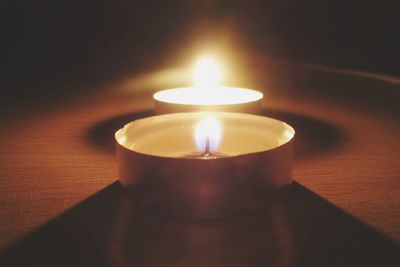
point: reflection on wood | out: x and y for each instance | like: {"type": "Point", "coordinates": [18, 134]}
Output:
{"type": "Point", "coordinates": [298, 229]}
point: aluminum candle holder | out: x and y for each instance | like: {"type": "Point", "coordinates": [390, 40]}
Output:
{"type": "Point", "coordinates": [205, 165]}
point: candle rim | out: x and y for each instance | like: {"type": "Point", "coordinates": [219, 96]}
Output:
{"type": "Point", "coordinates": [226, 157]}
{"type": "Point", "coordinates": [122, 130]}
{"type": "Point", "coordinates": [254, 97]}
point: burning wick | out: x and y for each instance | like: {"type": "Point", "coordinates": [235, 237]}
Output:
{"type": "Point", "coordinates": [207, 136]}
{"type": "Point", "coordinates": [207, 147]}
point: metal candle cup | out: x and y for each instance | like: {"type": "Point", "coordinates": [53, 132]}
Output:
{"type": "Point", "coordinates": [207, 94]}
{"type": "Point", "coordinates": [152, 155]}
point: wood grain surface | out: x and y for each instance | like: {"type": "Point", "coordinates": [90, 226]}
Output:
{"type": "Point", "coordinates": [60, 204]}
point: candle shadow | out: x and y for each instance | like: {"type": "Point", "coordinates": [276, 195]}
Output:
{"type": "Point", "coordinates": [312, 136]}
{"type": "Point", "coordinates": [299, 229]}
{"type": "Point", "coordinates": [102, 134]}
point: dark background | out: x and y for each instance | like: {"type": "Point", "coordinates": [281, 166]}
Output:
{"type": "Point", "coordinates": [343, 209]}
{"type": "Point", "coordinates": [50, 42]}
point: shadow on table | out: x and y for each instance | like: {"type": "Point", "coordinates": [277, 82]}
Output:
{"type": "Point", "coordinates": [312, 136]}
{"type": "Point", "coordinates": [101, 135]}
{"type": "Point", "coordinates": [300, 229]}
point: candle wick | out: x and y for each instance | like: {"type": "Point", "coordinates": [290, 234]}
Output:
{"type": "Point", "coordinates": [207, 147]}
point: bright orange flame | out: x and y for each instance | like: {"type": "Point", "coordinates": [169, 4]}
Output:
{"type": "Point", "coordinates": [206, 74]}
{"type": "Point", "coordinates": [208, 134]}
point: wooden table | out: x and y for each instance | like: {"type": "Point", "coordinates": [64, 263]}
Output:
{"type": "Point", "coordinates": [60, 204]}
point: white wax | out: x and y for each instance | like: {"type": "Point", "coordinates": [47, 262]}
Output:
{"type": "Point", "coordinates": [172, 135]}
{"type": "Point", "coordinates": [219, 95]}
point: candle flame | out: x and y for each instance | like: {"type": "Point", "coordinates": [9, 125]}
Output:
{"type": "Point", "coordinates": [208, 134]}
{"type": "Point", "coordinates": [206, 74]}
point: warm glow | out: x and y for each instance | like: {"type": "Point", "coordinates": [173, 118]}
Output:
{"type": "Point", "coordinates": [206, 74]}
{"type": "Point", "coordinates": [208, 134]}
{"type": "Point", "coordinates": [219, 96]}
{"type": "Point", "coordinates": [207, 89]}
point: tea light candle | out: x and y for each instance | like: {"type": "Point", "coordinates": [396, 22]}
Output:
{"type": "Point", "coordinates": [205, 165]}
{"type": "Point", "coordinates": [207, 94]}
